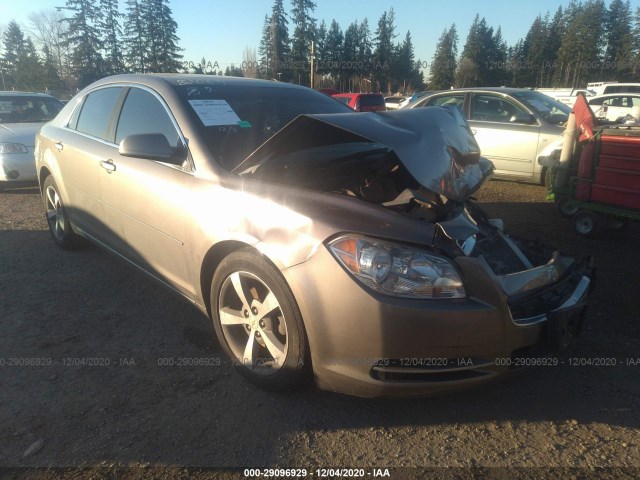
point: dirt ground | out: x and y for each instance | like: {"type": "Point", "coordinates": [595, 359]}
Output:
{"type": "Point", "coordinates": [85, 338]}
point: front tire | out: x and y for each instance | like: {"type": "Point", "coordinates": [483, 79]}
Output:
{"type": "Point", "coordinates": [57, 218]}
{"type": "Point", "coordinates": [257, 321]}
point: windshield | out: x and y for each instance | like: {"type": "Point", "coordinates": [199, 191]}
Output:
{"type": "Point", "coordinates": [24, 109]}
{"type": "Point", "coordinates": [546, 107]}
{"type": "Point", "coordinates": [237, 119]}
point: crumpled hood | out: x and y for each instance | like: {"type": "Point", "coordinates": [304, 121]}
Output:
{"type": "Point", "coordinates": [24, 133]}
{"type": "Point", "coordinates": [434, 144]}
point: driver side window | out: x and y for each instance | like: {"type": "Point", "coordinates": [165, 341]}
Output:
{"type": "Point", "coordinates": [491, 108]}
{"type": "Point", "coordinates": [143, 113]}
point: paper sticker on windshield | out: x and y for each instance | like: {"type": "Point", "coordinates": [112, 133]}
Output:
{"type": "Point", "coordinates": [215, 112]}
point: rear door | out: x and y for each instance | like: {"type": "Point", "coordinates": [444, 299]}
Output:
{"type": "Point", "coordinates": [82, 147]}
{"type": "Point", "coordinates": [510, 145]}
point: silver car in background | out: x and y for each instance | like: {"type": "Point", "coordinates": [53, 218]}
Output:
{"type": "Point", "coordinates": [21, 116]}
{"type": "Point", "coordinates": [512, 126]}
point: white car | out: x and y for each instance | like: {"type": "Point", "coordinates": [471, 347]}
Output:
{"type": "Point", "coordinates": [614, 106]}
{"type": "Point", "coordinates": [393, 103]}
{"type": "Point", "coordinates": [21, 116]}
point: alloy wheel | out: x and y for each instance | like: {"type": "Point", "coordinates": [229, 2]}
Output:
{"type": "Point", "coordinates": [253, 323]}
{"type": "Point", "coordinates": [55, 213]}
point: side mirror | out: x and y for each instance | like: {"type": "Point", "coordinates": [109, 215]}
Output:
{"type": "Point", "coordinates": [151, 146]}
{"type": "Point", "coordinates": [525, 118]}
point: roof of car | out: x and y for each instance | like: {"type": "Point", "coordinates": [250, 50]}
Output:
{"type": "Point", "coordinates": [616, 94]}
{"type": "Point", "coordinates": [187, 79]}
{"type": "Point", "coordinates": [489, 89]}
{"type": "Point", "coordinates": [356, 94]}
{"type": "Point", "coordinates": [11, 93]}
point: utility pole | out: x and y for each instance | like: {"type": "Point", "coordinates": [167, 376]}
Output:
{"type": "Point", "coordinates": [313, 57]}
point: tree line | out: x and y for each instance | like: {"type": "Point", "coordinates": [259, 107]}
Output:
{"type": "Point", "coordinates": [85, 40]}
{"type": "Point", "coordinates": [353, 59]}
{"type": "Point", "coordinates": [583, 42]}
{"type": "Point", "coordinates": [75, 44]}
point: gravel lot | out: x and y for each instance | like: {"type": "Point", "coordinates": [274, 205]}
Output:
{"type": "Point", "coordinates": [126, 409]}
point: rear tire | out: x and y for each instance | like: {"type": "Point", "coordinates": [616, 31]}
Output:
{"type": "Point", "coordinates": [57, 218]}
{"type": "Point", "coordinates": [257, 321]}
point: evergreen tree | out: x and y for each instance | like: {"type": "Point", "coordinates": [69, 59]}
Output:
{"type": "Point", "coordinates": [52, 80]}
{"type": "Point", "coordinates": [498, 57]}
{"type": "Point", "coordinates": [161, 42]}
{"type": "Point", "coordinates": [619, 52]}
{"type": "Point", "coordinates": [473, 62]}
{"type": "Point", "coordinates": [134, 38]}
{"type": "Point", "coordinates": [581, 52]}
{"type": "Point", "coordinates": [303, 35]}
{"type": "Point", "coordinates": [515, 60]}
{"type": "Point", "coordinates": [279, 43]}
{"type": "Point", "coordinates": [349, 55]}
{"type": "Point", "coordinates": [535, 53]}
{"type": "Point", "coordinates": [170, 56]}
{"type": "Point", "coordinates": [384, 50]}
{"type": "Point", "coordinates": [29, 73]}
{"type": "Point", "coordinates": [555, 37]}
{"type": "Point", "coordinates": [365, 49]}
{"type": "Point", "coordinates": [320, 50]}
{"type": "Point", "coordinates": [111, 33]}
{"type": "Point", "coordinates": [407, 76]}
{"type": "Point", "coordinates": [83, 39]}
{"type": "Point", "coordinates": [443, 65]}
{"type": "Point", "coordinates": [265, 51]}
{"type": "Point", "coordinates": [14, 46]}
{"type": "Point", "coordinates": [334, 45]}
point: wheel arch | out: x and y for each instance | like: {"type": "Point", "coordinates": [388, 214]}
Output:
{"type": "Point", "coordinates": [210, 262]}
{"type": "Point", "coordinates": [42, 176]}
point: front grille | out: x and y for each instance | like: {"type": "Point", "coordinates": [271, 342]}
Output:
{"type": "Point", "coordinates": [546, 299]}
{"type": "Point", "coordinates": [500, 257]}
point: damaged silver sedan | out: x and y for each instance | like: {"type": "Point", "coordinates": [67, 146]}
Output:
{"type": "Point", "coordinates": [318, 240]}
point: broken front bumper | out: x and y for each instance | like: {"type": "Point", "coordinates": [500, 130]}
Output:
{"type": "Point", "coordinates": [368, 344]}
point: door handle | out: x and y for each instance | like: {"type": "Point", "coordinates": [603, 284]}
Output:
{"type": "Point", "coordinates": [59, 146]}
{"type": "Point", "coordinates": [474, 131]}
{"type": "Point", "coordinates": [108, 166]}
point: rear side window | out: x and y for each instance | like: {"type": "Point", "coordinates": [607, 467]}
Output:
{"type": "Point", "coordinates": [370, 100]}
{"type": "Point", "coordinates": [622, 89]}
{"type": "Point", "coordinates": [97, 111]}
{"type": "Point", "coordinates": [143, 113]}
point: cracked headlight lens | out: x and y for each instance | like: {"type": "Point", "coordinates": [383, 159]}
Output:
{"type": "Point", "coordinates": [396, 269]}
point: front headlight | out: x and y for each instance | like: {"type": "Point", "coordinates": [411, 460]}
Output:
{"type": "Point", "coordinates": [13, 148]}
{"type": "Point", "coordinates": [396, 269]}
